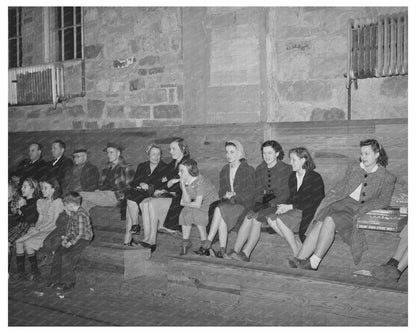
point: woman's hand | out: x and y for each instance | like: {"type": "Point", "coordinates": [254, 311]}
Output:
{"type": "Point", "coordinates": [173, 182]}
{"type": "Point", "coordinates": [21, 202]}
{"type": "Point", "coordinates": [159, 192]}
{"type": "Point", "coordinates": [229, 195]}
{"type": "Point", "coordinates": [281, 209]}
{"type": "Point", "coordinates": [144, 186]}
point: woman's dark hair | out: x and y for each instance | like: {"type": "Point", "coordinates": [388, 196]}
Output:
{"type": "Point", "coordinates": [382, 159]}
{"type": "Point", "coordinates": [276, 147]}
{"type": "Point", "coordinates": [33, 183]}
{"type": "Point", "coordinates": [183, 147]}
{"type": "Point", "coordinates": [301, 152]}
{"type": "Point", "coordinates": [192, 167]}
{"type": "Point", "coordinates": [55, 185]}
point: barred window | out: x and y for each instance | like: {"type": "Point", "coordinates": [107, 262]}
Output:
{"type": "Point", "coordinates": [15, 37]}
{"type": "Point", "coordinates": [69, 29]}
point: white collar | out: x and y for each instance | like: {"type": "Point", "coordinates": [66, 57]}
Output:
{"type": "Point", "coordinates": [372, 171]}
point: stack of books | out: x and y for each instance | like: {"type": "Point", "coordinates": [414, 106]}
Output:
{"type": "Point", "coordinates": [388, 219]}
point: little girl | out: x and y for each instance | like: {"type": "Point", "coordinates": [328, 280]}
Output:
{"type": "Point", "coordinates": [49, 209]}
{"type": "Point", "coordinates": [26, 208]}
{"type": "Point", "coordinates": [197, 195]}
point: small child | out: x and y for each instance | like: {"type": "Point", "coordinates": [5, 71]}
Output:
{"type": "Point", "coordinates": [78, 236]}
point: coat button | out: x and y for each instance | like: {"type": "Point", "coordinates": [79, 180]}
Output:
{"type": "Point", "coordinates": [363, 194]}
{"type": "Point", "coordinates": [362, 201]}
{"type": "Point", "coordinates": [365, 184]}
{"type": "Point", "coordinates": [365, 176]}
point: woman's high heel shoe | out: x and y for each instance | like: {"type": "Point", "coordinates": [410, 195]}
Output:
{"type": "Point", "coordinates": [202, 252]}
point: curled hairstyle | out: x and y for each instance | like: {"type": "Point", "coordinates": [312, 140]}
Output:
{"type": "Point", "coordinates": [192, 167]}
{"type": "Point", "coordinates": [276, 147]}
{"type": "Point", "coordinates": [72, 197]}
{"type": "Point", "coordinates": [55, 185]}
{"type": "Point", "coordinates": [301, 152]}
{"type": "Point", "coordinates": [183, 147]}
{"type": "Point", "coordinates": [382, 158]}
{"type": "Point", "coordinates": [151, 146]}
{"type": "Point", "coordinates": [35, 186]}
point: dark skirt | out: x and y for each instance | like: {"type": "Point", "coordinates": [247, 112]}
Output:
{"type": "Point", "coordinates": [291, 219]}
{"type": "Point", "coordinates": [137, 195]}
{"type": "Point", "coordinates": [230, 213]}
{"type": "Point", "coordinates": [342, 213]}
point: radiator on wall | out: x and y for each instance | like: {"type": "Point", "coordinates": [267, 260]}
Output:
{"type": "Point", "coordinates": [378, 46]}
{"type": "Point", "coordinates": [42, 84]}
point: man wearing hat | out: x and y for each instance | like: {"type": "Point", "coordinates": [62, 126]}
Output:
{"type": "Point", "coordinates": [83, 176]}
{"type": "Point", "coordinates": [115, 179]}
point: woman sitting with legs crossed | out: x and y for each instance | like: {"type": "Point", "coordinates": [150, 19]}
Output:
{"type": "Point", "coordinates": [366, 186]}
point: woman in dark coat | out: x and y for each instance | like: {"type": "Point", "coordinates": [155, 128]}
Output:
{"type": "Point", "coordinates": [271, 188]}
{"type": "Point", "coordinates": [366, 186]}
{"type": "Point", "coordinates": [306, 189]}
{"type": "Point", "coordinates": [149, 177]}
{"type": "Point", "coordinates": [161, 212]}
{"type": "Point", "coordinates": [236, 193]}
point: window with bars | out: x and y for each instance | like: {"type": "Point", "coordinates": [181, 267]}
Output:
{"type": "Point", "coordinates": [69, 29]}
{"type": "Point", "coordinates": [15, 37]}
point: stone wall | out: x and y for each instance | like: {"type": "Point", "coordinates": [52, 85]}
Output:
{"type": "Point", "coordinates": [209, 65]}
{"type": "Point", "coordinates": [147, 90]}
{"type": "Point", "coordinates": [307, 48]}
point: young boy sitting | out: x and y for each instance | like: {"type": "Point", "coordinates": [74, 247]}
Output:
{"type": "Point", "coordinates": [78, 235]}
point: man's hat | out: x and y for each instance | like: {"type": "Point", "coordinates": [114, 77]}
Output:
{"type": "Point", "coordinates": [80, 150]}
{"type": "Point", "coordinates": [113, 145]}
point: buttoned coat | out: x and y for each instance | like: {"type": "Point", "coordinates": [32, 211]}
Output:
{"type": "Point", "coordinates": [89, 178]}
{"type": "Point", "coordinates": [376, 191]}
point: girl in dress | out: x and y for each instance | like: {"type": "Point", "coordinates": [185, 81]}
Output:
{"type": "Point", "coordinates": [366, 186]}
{"type": "Point", "coordinates": [197, 196]}
{"type": "Point", "coordinates": [49, 209]}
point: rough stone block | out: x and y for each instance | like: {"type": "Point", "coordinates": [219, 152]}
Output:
{"type": "Point", "coordinates": [148, 61]}
{"type": "Point", "coordinates": [141, 111]}
{"type": "Point", "coordinates": [33, 114]}
{"type": "Point", "coordinates": [297, 91]}
{"type": "Point", "coordinates": [234, 99]}
{"type": "Point", "coordinates": [75, 111]}
{"type": "Point", "coordinates": [115, 111]}
{"type": "Point", "coordinates": [54, 111]}
{"type": "Point", "coordinates": [108, 126]}
{"type": "Point", "coordinates": [167, 111]}
{"type": "Point", "coordinates": [153, 96]}
{"type": "Point", "coordinates": [142, 71]}
{"type": "Point", "coordinates": [16, 113]}
{"type": "Point", "coordinates": [319, 114]}
{"type": "Point", "coordinates": [156, 70]}
{"type": "Point", "coordinates": [95, 108]}
{"type": "Point", "coordinates": [394, 87]}
{"type": "Point", "coordinates": [76, 125]}
{"type": "Point", "coordinates": [92, 51]}
{"type": "Point", "coordinates": [136, 84]}
{"type": "Point", "coordinates": [179, 92]}
{"type": "Point", "coordinates": [172, 95]}
{"type": "Point", "coordinates": [91, 124]}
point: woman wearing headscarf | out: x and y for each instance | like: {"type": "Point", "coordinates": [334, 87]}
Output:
{"type": "Point", "coordinates": [237, 184]}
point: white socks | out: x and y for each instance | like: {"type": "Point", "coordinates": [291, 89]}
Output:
{"type": "Point", "coordinates": [315, 260]}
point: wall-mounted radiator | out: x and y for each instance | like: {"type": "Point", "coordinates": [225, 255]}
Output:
{"type": "Point", "coordinates": [42, 84]}
{"type": "Point", "coordinates": [377, 47]}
